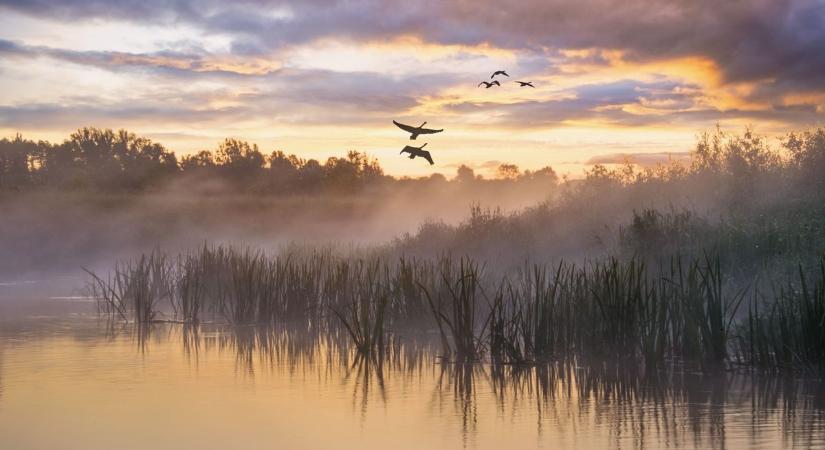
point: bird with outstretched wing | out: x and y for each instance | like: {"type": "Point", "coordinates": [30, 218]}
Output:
{"type": "Point", "coordinates": [417, 151]}
{"type": "Point", "coordinates": [415, 131]}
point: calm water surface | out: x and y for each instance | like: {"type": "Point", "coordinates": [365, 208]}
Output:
{"type": "Point", "coordinates": [68, 381]}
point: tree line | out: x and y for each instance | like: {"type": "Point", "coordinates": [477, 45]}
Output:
{"type": "Point", "coordinates": [107, 160]}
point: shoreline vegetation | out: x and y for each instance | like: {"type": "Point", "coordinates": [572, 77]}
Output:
{"type": "Point", "coordinates": [686, 312]}
{"type": "Point", "coordinates": [715, 263]}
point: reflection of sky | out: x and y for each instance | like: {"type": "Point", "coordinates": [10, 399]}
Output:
{"type": "Point", "coordinates": [71, 385]}
{"type": "Point", "coordinates": [318, 78]}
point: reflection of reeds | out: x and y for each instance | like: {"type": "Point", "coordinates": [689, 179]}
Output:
{"type": "Point", "coordinates": [635, 403]}
{"type": "Point", "coordinates": [1, 372]}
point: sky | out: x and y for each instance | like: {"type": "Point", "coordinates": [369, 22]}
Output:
{"type": "Point", "coordinates": [614, 79]}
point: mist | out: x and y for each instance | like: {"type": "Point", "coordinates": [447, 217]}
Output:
{"type": "Point", "coordinates": [47, 236]}
{"type": "Point", "coordinates": [54, 225]}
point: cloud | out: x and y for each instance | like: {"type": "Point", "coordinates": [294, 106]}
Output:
{"type": "Point", "coordinates": [358, 63]}
{"type": "Point", "coordinates": [641, 159]}
{"type": "Point", "coordinates": [47, 115]}
{"type": "Point", "coordinates": [170, 61]}
{"type": "Point", "coordinates": [777, 41]}
{"type": "Point", "coordinates": [627, 103]}
{"type": "Point", "coordinates": [490, 165]}
{"type": "Point", "coordinates": [606, 102]}
{"type": "Point", "coordinates": [179, 96]}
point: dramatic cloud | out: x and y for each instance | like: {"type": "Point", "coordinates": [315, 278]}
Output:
{"type": "Point", "coordinates": [750, 39]}
{"type": "Point", "coordinates": [607, 65]}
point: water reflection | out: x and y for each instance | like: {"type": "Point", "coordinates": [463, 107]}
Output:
{"type": "Point", "coordinates": [635, 407]}
{"type": "Point", "coordinates": [569, 403]}
{"type": "Point", "coordinates": [1, 370]}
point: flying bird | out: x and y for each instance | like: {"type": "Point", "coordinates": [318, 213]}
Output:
{"type": "Point", "coordinates": [488, 85]}
{"type": "Point", "coordinates": [417, 151]}
{"type": "Point", "coordinates": [415, 131]}
{"type": "Point", "coordinates": [525, 83]}
{"type": "Point", "coordinates": [498, 72]}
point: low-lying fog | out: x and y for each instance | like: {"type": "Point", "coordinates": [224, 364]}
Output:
{"type": "Point", "coordinates": [51, 235]}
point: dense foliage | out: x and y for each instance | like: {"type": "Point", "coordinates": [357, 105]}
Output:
{"type": "Point", "coordinates": [103, 160]}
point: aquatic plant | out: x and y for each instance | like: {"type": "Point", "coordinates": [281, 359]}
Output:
{"type": "Point", "coordinates": [135, 287]}
{"type": "Point", "coordinates": [457, 314]}
{"type": "Point", "coordinates": [361, 302]}
{"type": "Point", "coordinates": [788, 332]}
{"type": "Point", "coordinates": [608, 308]}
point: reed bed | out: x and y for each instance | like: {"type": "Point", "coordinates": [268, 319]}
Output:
{"type": "Point", "coordinates": [787, 332]}
{"type": "Point", "coordinates": [684, 312]}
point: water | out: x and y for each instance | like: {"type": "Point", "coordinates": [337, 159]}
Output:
{"type": "Point", "coordinates": [68, 381]}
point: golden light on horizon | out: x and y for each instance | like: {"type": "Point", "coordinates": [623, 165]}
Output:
{"type": "Point", "coordinates": [285, 78]}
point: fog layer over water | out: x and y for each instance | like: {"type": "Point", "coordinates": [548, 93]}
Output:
{"type": "Point", "coordinates": [48, 234]}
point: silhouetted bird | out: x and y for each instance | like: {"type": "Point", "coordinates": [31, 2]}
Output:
{"type": "Point", "coordinates": [489, 85]}
{"type": "Point", "coordinates": [498, 72]}
{"type": "Point", "coordinates": [417, 151]}
{"type": "Point", "coordinates": [415, 131]}
{"type": "Point", "coordinates": [525, 83]}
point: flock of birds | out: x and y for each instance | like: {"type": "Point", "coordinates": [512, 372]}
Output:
{"type": "Point", "coordinates": [419, 130]}
{"type": "Point", "coordinates": [489, 84]}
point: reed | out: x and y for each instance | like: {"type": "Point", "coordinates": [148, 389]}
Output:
{"type": "Point", "coordinates": [457, 313]}
{"type": "Point", "coordinates": [135, 288]}
{"type": "Point", "coordinates": [362, 298]}
{"type": "Point", "coordinates": [190, 289]}
{"type": "Point", "coordinates": [618, 291]}
{"type": "Point", "coordinates": [610, 308]}
{"type": "Point", "coordinates": [706, 311]}
{"type": "Point", "coordinates": [789, 332]}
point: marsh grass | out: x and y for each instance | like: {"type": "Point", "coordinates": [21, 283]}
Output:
{"type": "Point", "coordinates": [362, 295]}
{"type": "Point", "coordinates": [136, 288]}
{"type": "Point", "coordinates": [706, 311]}
{"type": "Point", "coordinates": [622, 309]}
{"type": "Point", "coordinates": [458, 314]}
{"type": "Point", "coordinates": [787, 333]}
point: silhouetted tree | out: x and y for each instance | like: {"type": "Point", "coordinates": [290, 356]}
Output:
{"type": "Point", "coordinates": [202, 160]}
{"type": "Point", "coordinates": [508, 171]}
{"type": "Point", "coordinates": [352, 172]}
{"type": "Point", "coordinates": [437, 178]}
{"type": "Point", "coordinates": [142, 162]}
{"type": "Point", "coordinates": [311, 176]}
{"type": "Point", "coordinates": [283, 171]}
{"type": "Point", "coordinates": [544, 177]}
{"type": "Point", "coordinates": [239, 161]}
{"type": "Point", "coordinates": [16, 159]}
{"type": "Point", "coordinates": [465, 174]}
{"type": "Point", "coordinates": [807, 157]}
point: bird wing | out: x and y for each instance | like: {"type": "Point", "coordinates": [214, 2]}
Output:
{"type": "Point", "coordinates": [426, 155]}
{"type": "Point", "coordinates": [483, 82]}
{"type": "Point", "coordinates": [406, 128]}
{"type": "Point", "coordinates": [496, 83]}
{"type": "Point", "coordinates": [429, 131]}
{"type": "Point", "coordinates": [407, 149]}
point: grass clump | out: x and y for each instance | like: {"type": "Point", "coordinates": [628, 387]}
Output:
{"type": "Point", "coordinates": [610, 308]}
